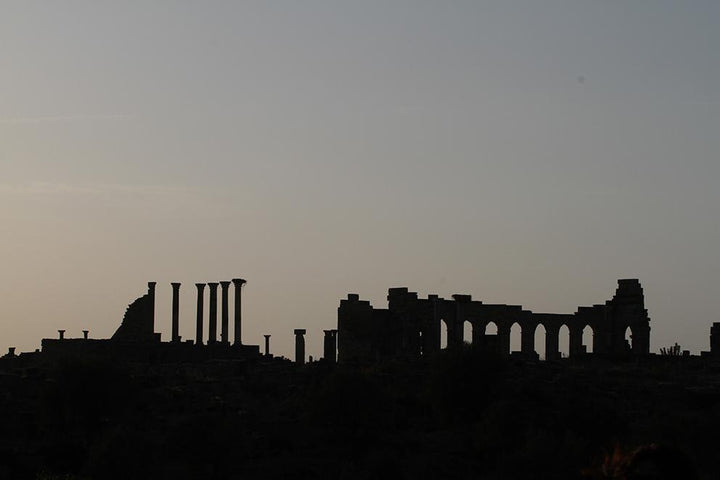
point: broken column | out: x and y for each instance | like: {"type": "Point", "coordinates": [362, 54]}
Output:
{"type": "Point", "coordinates": [199, 327]}
{"type": "Point", "coordinates": [224, 328]}
{"type": "Point", "coordinates": [61, 333]}
{"type": "Point", "coordinates": [151, 294]}
{"type": "Point", "coordinates": [238, 282]}
{"type": "Point", "coordinates": [300, 346]}
{"type": "Point", "coordinates": [212, 322]}
{"type": "Point", "coordinates": [329, 347]}
{"type": "Point", "coordinates": [85, 334]}
{"type": "Point", "coordinates": [175, 312]}
{"type": "Point", "coordinates": [267, 345]}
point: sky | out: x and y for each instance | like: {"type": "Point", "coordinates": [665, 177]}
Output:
{"type": "Point", "coordinates": [522, 152]}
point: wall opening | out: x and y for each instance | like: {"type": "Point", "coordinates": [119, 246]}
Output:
{"type": "Point", "coordinates": [491, 329]}
{"type": "Point", "coordinates": [540, 339]}
{"type": "Point", "coordinates": [628, 338]}
{"type": "Point", "coordinates": [564, 341]}
{"type": "Point", "coordinates": [588, 338]}
{"type": "Point", "coordinates": [443, 334]}
{"type": "Point", "coordinates": [467, 332]}
{"type": "Point", "coordinates": [515, 338]}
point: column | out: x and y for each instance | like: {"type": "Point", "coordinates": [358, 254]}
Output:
{"type": "Point", "coordinates": [552, 342]}
{"type": "Point", "coordinates": [199, 326]}
{"type": "Point", "coordinates": [85, 334]}
{"type": "Point", "coordinates": [300, 346]}
{"type": "Point", "coordinates": [175, 312]}
{"type": "Point", "coordinates": [267, 345]}
{"type": "Point", "coordinates": [212, 322]}
{"type": "Point", "coordinates": [61, 334]}
{"type": "Point", "coordinates": [238, 282]}
{"type": "Point", "coordinates": [224, 328]}
{"type": "Point", "coordinates": [329, 346]}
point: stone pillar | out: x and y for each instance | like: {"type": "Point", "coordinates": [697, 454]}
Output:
{"type": "Point", "coordinates": [175, 312]}
{"type": "Point", "coordinates": [11, 351]}
{"type": "Point", "coordinates": [552, 343]}
{"type": "Point", "coordinates": [527, 338]}
{"type": "Point", "coordinates": [715, 338]}
{"type": "Point", "coordinates": [267, 345]}
{"type": "Point", "coordinates": [238, 282]}
{"type": "Point", "coordinates": [151, 294]}
{"type": "Point", "coordinates": [334, 345]}
{"type": "Point", "coordinates": [300, 346]}
{"type": "Point", "coordinates": [576, 346]}
{"type": "Point", "coordinates": [329, 346]}
{"type": "Point", "coordinates": [503, 338]}
{"type": "Point", "coordinates": [212, 321]}
{"type": "Point", "coordinates": [61, 334]}
{"type": "Point", "coordinates": [199, 326]}
{"type": "Point", "coordinates": [85, 334]}
{"type": "Point", "coordinates": [224, 327]}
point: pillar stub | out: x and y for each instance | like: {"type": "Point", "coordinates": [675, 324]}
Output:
{"type": "Point", "coordinates": [61, 334]}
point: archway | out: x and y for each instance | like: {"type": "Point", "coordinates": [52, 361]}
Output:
{"type": "Point", "coordinates": [588, 338]}
{"type": "Point", "coordinates": [564, 341]}
{"type": "Point", "coordinates": [467, 332]}
{"type": "Point", "coordinates": [628, 338]}
{"type": "Point", "coordinates": [515, 338]}
{"type": "Point", "coordinates": [540, 339]}
{"type": "Point", "coordinates": [491, 329]}
{"type": "Point", "coordinates": [443, 334]}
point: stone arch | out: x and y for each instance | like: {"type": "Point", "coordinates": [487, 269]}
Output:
{"type": "Point", "coordinates": [540, 341]}
{"type": "Point", "coordinates": [515, 337]}
{"type": "Point", "coordinates": [443, 334]}
{"type": "Point", "coordinates": [491, 328]}
{"type": "Point", "coordinates": [564, 341]}
{"type": "Point", "coordinates": [588, 339]}
{"type": "Point", "coordinates": [468, 328]}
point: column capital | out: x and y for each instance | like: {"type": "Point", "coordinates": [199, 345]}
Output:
{"type": "Point", "coordinates": [225, 284]}
{"type": "Point", "coordinates": [175, 284]}
{"type": "Point", "coordinates": [200, 286]}
{"type": "Point", "coordinates": [300, 331]}
{"type": "Point", "coordinates": [213, 285]}
{"type": "Point", "coordinates": [238, 282]}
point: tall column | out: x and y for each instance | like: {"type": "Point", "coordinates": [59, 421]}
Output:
{"type": "Point", "coordinates": [199, 326]}
{"type": "Point", "coordinates": [238, 282]}
{"type": "Point", "coordinates": [329, 345]}
{"type": "Point", "coordinates": [151, 294]}
{"type": "Point", "coordinates": [224, 328]}
{"type": "Point", "coordinates": [300, 346]}
{"type": "Point", "coordinates": [267, 345]}
{"type": "Point", "coordinates": [212, 322]}
{"type": "Point", "coordinates": [175, 312]}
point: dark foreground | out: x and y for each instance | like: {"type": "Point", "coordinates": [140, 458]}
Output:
{"type": "Point", "coordinates": [457, 416]}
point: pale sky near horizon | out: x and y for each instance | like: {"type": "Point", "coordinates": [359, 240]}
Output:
{"type": "Point", "coordinates": [525, 152]}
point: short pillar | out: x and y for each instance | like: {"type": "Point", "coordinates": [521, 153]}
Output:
{"type": "Point", "coordinates": [300, 346]}
{"type": "Point", "coordinates": [238, 282]}
{"type": "Point", "coordinates": [267, 345]}
{"type": "Point", "coordinates": [11, 351]}
{"type": "Point", "coordinates": [175, 312]}
{"type": "Point", "coordinates": [212, 322]}
{"type": "Point", "coordinates": [61, 334]}
{"type": "Point", "coordinates": [199, 325]}
{"type": "Point", "coordinates": [224, 328]}
{"type": "Point", "coordinates": [85, 334]}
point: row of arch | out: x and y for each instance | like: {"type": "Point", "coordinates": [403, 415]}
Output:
{"type": "Point", "coordinates": [539, 337]}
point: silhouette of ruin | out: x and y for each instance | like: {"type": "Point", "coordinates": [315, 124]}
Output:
{"type": "Point", "coordinates": [411, 326]}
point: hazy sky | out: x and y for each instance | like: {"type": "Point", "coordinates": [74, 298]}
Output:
{"type": "Point", "coordinates": [527, 152]}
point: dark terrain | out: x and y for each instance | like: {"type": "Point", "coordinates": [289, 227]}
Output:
{"type": "Point", "coordinates": [457, 415]}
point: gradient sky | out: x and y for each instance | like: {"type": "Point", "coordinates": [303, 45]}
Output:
{"type": "Point", "coordinates": [523, 152]}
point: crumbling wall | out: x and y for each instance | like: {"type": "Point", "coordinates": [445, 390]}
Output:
{"type": "Point", "coordinates": [138, 324]}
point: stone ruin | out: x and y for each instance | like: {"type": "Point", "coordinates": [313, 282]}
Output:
{"type": "Point", "coordinates": [411, 326]}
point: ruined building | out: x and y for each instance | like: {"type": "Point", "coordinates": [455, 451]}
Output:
{"type": "Point", "coordinates": [136, 340]}
{"type": "Point", "coordinates": [411, 326]}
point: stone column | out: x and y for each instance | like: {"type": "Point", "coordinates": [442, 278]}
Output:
{"type": "Point", "coordinates": [151, 294]}
{"type": "Point", "coordinates": [199, 326]}
{"type": "Point", "coordinates": [552, 343]}
{"type": "Point", "coordinates": [212, 322]}
{"type": "Point", "coordinates": [238, 282]}
{"type": "Point", "coordinates": [224, 327]}
{"type": "Point", "coordinates": [300, 346]}
{"type": "Point", "coordinates": [85, 334]}
{"type": "Point", "coordinates": [267, 345]}
{"type": "Point", "coordinates": [175, 312]}
{"type": "Point", "coordinates": [61, 334]}
{"type": "Point", "coordinates": [329, 346]}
